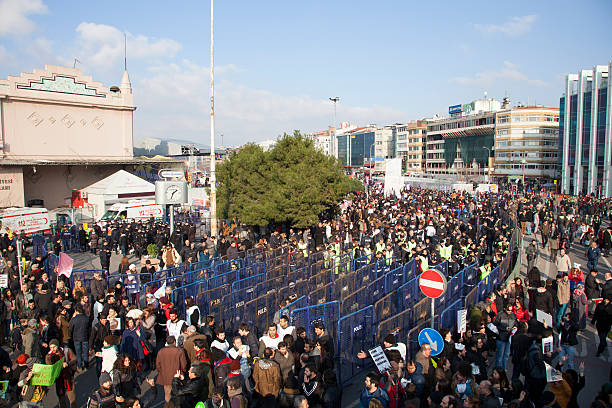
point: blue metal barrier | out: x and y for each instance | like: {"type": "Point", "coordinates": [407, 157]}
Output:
{"type": "Point", "coordinates": [355, 333]}
{"type": "Point", "coordinates": [328, 313]}
{"type": "Point", "coordinates": [248, 282]}
{"type": "Point", "coordinates": [448, 317]}
{"type": "Point", "coordinates": [300, 302]}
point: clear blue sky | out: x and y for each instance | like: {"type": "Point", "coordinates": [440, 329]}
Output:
{"type": "Point", "coordinates": [277, 62]}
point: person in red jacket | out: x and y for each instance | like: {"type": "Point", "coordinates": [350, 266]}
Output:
{"type": "Point", "coordinates": [521, 312]}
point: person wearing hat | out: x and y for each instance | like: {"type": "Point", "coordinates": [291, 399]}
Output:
{"type": "Point", "coordinates": [64, 385]}
{"type": "Point", "coordinates": [31, 339]}
{"type": "Point", "coordinates": [31, 395]}
{"type": "Point", "coordinates": [105, 395]}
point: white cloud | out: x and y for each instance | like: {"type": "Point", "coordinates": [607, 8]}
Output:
{"type": "Point", "coordinates": [14, 16]}
{"type": "Point", "coordinates": [508, 72]}
{"type": "Point", "coordinates": [102, 45]}
{"type": "Point", "coordinates": [514, 26]}
{"type": "Point", "coordinates": [175, 102]}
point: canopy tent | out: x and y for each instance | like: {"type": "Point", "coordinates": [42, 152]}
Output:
{"type": "Point", "coordinates": [121, 184]}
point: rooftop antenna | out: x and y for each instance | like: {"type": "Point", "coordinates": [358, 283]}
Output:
{"type": "Point", "coordinates": [124, 51]}
{"type": "Point", "coordinates": [75, 62]}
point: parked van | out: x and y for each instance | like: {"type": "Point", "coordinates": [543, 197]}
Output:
{"type": "Point", "coordinates": [26, 219]}
{"type": "Point", "coordinates": [133, 210]}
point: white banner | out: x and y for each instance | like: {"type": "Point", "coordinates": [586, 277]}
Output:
{"type": "Point", "coordinates": [393, 177]}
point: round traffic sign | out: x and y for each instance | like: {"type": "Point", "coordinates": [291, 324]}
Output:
{"type": "Point", "coordinates": [433, 338]}
{"type": "Point", "coordinates": [432, 283]}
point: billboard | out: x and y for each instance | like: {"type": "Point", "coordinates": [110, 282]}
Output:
{"type": "Point", "coordinates": [455, 109]}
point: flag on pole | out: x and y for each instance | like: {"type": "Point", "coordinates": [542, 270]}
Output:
{"type": "Point", "coordinates": [64, 266]}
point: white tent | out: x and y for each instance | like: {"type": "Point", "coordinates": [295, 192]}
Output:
{"type": "Point", "coordinates": [120, 186]}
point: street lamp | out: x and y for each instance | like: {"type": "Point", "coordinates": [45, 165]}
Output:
{"type": "Point", "coordinates": [524, 161]}
{"type": "Point", "coordinates": [370, 171]}
{"type": "Point", "coordinates": [335, 101]}
{"type": "Point", "coordinates": [488, 166]}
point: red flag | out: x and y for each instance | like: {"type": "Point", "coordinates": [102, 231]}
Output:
{"type": "Point", "coordinates": [64, 266]}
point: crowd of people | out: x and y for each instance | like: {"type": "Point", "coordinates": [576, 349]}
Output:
{"type": "Point", "coordinates": [138, 352]}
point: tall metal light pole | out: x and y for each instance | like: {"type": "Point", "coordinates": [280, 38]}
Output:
{"type": "Point", "coordinates": [333, 141]}
{"type": "Point", "coordinates": [488, 163]}
{"type": "Point", "coordinates": [213, 176]}
{"type": "Point", "coordinates": [370, 171]}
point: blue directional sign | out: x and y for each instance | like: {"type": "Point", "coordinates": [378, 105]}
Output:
{"type": "Point", "coordinates": [433, 338]}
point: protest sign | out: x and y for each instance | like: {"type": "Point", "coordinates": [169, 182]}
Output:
{"type": "Point", "coordinates": [380, 359]}
{"type": "Point", "coordinates": [46, 374]}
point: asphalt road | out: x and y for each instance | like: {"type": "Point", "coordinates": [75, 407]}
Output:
{"type": "Point", "coordinates": [597, 369]}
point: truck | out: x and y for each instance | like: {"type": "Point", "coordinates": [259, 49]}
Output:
{"type": "Point", "coordinates": [25, 219]}
{"type": "Point", "coordinates": [133, 210]}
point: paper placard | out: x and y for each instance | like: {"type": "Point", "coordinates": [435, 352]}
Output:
{"type": "Point", "coordinates": [544, 318]}
{"type": "Point", "coordinates": [46, 374]}
{"type": "Point", "coordinates": [4, 281]}
{"type": "Point", "coordinates": [380, 359]}
{"type": "Point", "coordinates": [461, 321]}
{"type": "Point", "coordinates": [547, 344]}
{"type": "Point", "coordinates": [552, 374]}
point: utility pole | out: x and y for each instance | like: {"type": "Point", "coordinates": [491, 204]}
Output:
{"type": "Point", "coordinates": [333, 138]}
{"type": "Point", "coordinates": [213, 176]}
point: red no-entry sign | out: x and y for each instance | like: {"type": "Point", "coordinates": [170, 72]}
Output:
{"type": "Point", "coordinates": [432, 283]}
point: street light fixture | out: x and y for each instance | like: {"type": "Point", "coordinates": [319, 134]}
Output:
{"type": "Point", "coordinates": [370, 171]}
{"type": "Point", "coordinates": [488, 166]}
{"type": "Point", "coordinates": [335, 100]}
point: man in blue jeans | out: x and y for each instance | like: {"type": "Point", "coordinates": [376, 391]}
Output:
{"type": "Point", "coordinates": [79, 329]}
{"type": "Point", "coordinates": [505, 321]}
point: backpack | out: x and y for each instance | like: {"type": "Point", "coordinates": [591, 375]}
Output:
{"type": "Point", "coordinates": [532, 365]}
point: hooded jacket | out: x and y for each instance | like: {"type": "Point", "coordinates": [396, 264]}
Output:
{"type": "Point", "coordinates": [267, 377]}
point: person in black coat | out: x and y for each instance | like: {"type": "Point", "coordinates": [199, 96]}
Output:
{"type": "Point", "coordinates": [332, 397]}
{"type": "Point", "coordinates": [186, 391]}
{"type": "Point", "coordinates": [602, 319]}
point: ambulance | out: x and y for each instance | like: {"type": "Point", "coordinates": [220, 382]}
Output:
{"type": "Point", "coordinates": [26, 219]}
{"type": "Point", "coordinates": [133, 210]}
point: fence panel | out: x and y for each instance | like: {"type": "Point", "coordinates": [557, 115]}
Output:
{"type": "Point", "coordinates": [408, 294]}
{"type": "Point", "coordinates": [384, 266]}
{"type": "Point", "coordinates": [224, 267]}
{"type": "Point", "coordinates": [260, 312]}
{"type": "Point", "coordinates": [394, 279]}
{"type": "Point", "coordinates": [323, 294]}
{"type": "Point", "coordinates": [448, 317]}
{"type": "Point", "coordinates": [410, 270]}
{"type": "Point", "coordinates": [366, 273]}
{"type": "Point", "coordinates": [471, 298]}
{"type": "Point", "coordinates": [399, 325]}
{"type": "Point", "coordinates": [455, 286]}
{"type": "Point", "coordinates": [328, 313]}
{"type": "Point", "coordinates": [412, 342]}
{"type": "Point", "coordinates": [321, 279]}
{"type": "Point", "coordinates": [219, 280]}
{"type": "Point", "coordinates": [277, 271]}
{"type": "Point", "coordinates": [295, 290]}
{"type": "Point", "coordinates": [362, 261]}
{"type": "Point", "coordinates": [247, 282]}
{"type": "Point", "coordinates": [347, 284]}
{"type": "Point", "coordinates": [298, 275]}
{"type": "Point", "coordinates": [355, 301]}
{"type": "Point", "coordinates": [385, 307]}
{"type": "Point", "coordinates": [421, 311]}
{"type": "Point", "coordinates": [210, 300]}
{"type": "Point", "coordinates": [355, 333]}
{"type": "Point", "coordinates": [483, 289]}
{"type": "Point", "coordinates": [85, 276]}
{"type": "Point", "coordinates": [318, 267]}
{"type": "Point", "coordinates": [470, 277]}
{"type": "Point", "coordinates": [269, 285]}
{"type": "Point", "coordinates": [300, 302]}
{"type": "Point", "coordinates": [376, 290]}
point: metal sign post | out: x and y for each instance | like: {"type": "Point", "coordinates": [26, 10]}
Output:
{"type": "Point", "coordinates": [433, 285]}
{"type": "Point", "coordinates": [19, 249]}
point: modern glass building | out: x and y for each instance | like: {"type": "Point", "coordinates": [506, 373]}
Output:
{"type": "Point", "coordinates": [585, 132]}
{"type": "Point", "coordinates": [354, 148]}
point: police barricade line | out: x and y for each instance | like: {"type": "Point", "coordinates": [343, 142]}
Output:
{"type": "Point", "coordinates": [321, 279]}
{"type": "Point", "coordinates": [376, 290]}
{"type": "Point", "coordinates": [299, 274]}
{"type": "Point", "coordinates": [295, 290]}
{"type": "Point", "coordinates": [412, 340]}
{"type": "Point", "coordinates": [226, 266]}
{"type": "Point", "coordinates": [385, 265]}
{"type": "Point", "coordinates": [410, 270]}
{"type": "Point", "coordinates": [408, 294]}
{"type": "Point", "coordinates": [362, 261]}
{"type": "Point", "coordinates": [394, 279]}
{"type": "Point", "coordinates": [355, 301]}
{"type": "Point", "coordinates": [355, 333]}
{"type": "Point", "coordinates": [347, 284]}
